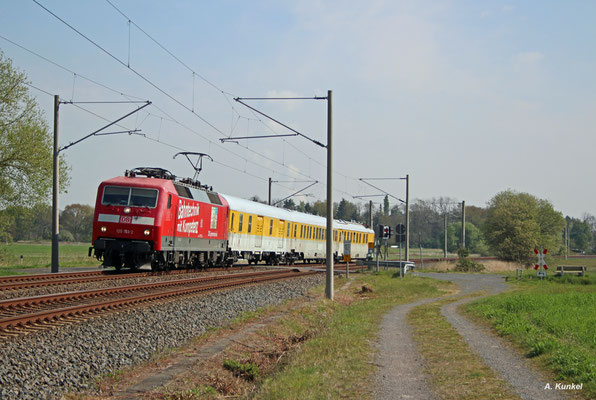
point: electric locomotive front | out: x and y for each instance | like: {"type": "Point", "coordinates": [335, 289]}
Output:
{"type": "Point", "coordinates": [129, 217]}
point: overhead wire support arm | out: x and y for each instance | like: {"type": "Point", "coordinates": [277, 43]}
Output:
{"type": "Point", "coordinates": [239, 100]}
{"type": "Point", "coordinates": [381, 190]}
{"type": "Point", "coordinates": [105, 102]}
{"type": "Point", "coordinates": [104, 127]}
{"type": "Point", "coordinates": [131, 132]}
{"type": "Point", "coordinates": [232, 139]}
{"type": "Point", "coordinates": [294, 194]}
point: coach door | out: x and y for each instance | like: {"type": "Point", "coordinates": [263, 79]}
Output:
{"type": "Point", "coordinates": [259, 232]}
{"type": "Point", "coordinates": [282, 238]}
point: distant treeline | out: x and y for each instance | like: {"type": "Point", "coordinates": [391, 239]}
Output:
{"type": "Point", "coordinates": [510, 226]}
{"type": "Point", "coordinates": [35, 223]}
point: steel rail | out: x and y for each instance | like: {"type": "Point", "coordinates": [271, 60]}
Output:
{"type": "Point", "coordinates": [42, 300]}
{"type": "Point", "coordinates": [22, 321]}
{"type": "Point", "coordinates": [38, 280]}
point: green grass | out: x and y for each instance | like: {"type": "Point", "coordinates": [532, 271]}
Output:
{"type": "Point", "coordinates": [553, 321]}
{"type": "Point", "coordinates": [38, 255]}
{"type": "Point", "coordinates": [336, 363]}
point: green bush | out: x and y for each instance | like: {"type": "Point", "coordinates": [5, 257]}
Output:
{"type": "Point", "coordinates": [467, 265]}
{"type": "Point", "coordinates": [248, 371]}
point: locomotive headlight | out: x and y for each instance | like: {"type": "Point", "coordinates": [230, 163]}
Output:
{"type": "Point", "coordinates": [146, 232]}
{"type": "Point", "coordinates": [126, 210]}
{"type": "Point", "coordinates": [103, 229]}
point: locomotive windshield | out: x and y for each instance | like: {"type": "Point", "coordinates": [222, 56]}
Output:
{"type": "Point", "coordinates": [129, 196]}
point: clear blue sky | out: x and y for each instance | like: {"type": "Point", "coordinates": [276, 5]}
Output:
{"type": "Point", "coordinates": [469, 98]}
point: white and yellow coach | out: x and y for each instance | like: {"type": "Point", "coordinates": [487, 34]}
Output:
{"type": "Point", "coordinates": [259, 232]}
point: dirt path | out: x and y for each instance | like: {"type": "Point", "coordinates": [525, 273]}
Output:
{"type": "Point", "coordinates": [495, 352]}
{"type": "Point", "coordinates": [401, 368]}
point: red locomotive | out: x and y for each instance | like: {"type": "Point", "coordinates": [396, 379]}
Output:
{"type": "Point", "coordinates": [162, 220]}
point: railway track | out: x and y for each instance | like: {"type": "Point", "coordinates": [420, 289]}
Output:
{"type": "Point", "coordinates": [66, 278]}
{"type": "Point", "coordinates": [19, 316]}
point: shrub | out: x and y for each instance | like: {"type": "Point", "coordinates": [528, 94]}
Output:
{"type": "Point", "coordinates": [467, 265]}
{"type": "Point", "coordinates": [248, 371]}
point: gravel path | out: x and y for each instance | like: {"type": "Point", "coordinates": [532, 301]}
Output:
{"type": "Point", "coordinates": [401, 368]}
{"type": "Point", "coordinates": [527, 383]}
{"type": "Point", "coordinates": [46, 364]}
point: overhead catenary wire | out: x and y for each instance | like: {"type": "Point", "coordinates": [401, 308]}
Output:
{"type": "Point", "coordinates": [147, 80]}
{"type": "Point", "coordinates": [140, 75]}
{"type": "Point", "coordinates": [171, 119]}
{"type": "Point", "coordinates": [62, 67]}
{"type": "Point", "coordinates": [181, 149]}
{"type": "Point", "coordinates": [226, 94]}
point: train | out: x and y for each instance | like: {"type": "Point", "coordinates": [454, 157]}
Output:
{"type": "Point", "coordinates": [150, 216]}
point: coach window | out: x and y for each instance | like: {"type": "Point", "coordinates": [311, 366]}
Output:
{"type": "Point", "coordinates": [271, 227]}
{"type": "Point", "coordinates": [232, 223]}
{"type": "Point", "coordinates": [249, 223]}
{"type": "Point", "coordinates": [289, 227]}
{"type": "Point", "coordinates": [295, 227]}
{"type": "Point", "coordinates": [240, 223]}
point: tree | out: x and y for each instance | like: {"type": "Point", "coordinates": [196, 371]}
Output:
{"type": "Point", "coordinates": [289, 204]}
{"type": "Point", "coordinates": [474, 239]}
{"type": "Point", "coordinates": [580, 235]}
{"type": "Point", "coordinates": [26, 149]}
{"type": "Point", "coordinates": [78, 220]}
{"type": "Point", "coordinates": [319, 207]}
{"type": "Point", "coordinates": [475, 215]}
{"type": "Point", "coordinates": [386, 206]}
{"type": "Point", "coordinates": [26, 146]}
{"type": "Point", "coordinates": [516, 223]}
{"type": "Point", "coordinates": [348, 211]}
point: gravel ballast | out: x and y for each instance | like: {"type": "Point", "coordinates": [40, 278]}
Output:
{"type": "Point", "coordinates": [48, 363]}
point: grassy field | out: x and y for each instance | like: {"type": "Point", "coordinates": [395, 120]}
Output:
{"type": "Point", "coordinates": [38, 255]}
{"type": "Point", "coordinates": [552, 321]}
